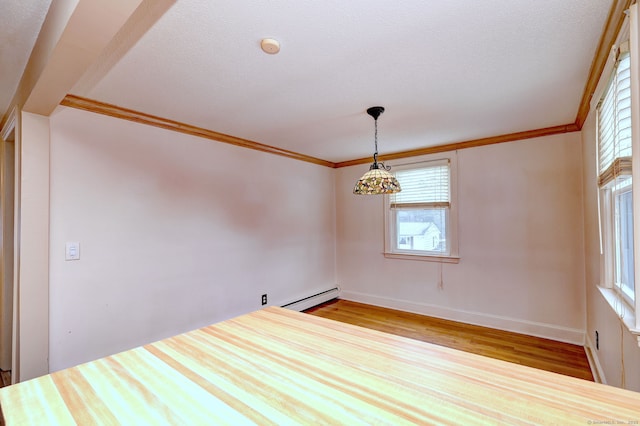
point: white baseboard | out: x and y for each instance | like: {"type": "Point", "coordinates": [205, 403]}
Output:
{"type": "Point", "coordinates": [594, 362]}
{"type": "Point", "coordinates": [531, 328]}
{"type": "Point", "coordinates": [313, 300]}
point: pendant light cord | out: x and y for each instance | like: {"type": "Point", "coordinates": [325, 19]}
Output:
{"type": "Point", "coordinates": [375, 139]}
{"type": "Point", "coordinates": [375, 113]}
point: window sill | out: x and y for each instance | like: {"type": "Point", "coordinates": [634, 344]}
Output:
{"type": "Point", "coordinates": [619, 305]}
{"type": "Point", "coordinates": [424, 258]}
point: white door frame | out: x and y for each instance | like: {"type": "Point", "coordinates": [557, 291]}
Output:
{"type": "Point", "coordinates": [8, 283]}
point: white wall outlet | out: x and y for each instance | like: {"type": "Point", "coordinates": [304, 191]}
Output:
{"type": "Point", "coordinates": [72, 251]}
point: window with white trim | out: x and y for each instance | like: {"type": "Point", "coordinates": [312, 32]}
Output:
{"type": "Point", "coordinates": [420, 220]}
{"type": "Point", "coordinates": [615, 181]}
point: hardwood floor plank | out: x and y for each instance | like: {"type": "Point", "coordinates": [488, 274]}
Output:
{"type": "Point", "coordinates": [544, 354]}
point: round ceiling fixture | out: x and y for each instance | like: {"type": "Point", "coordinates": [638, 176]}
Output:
{"type": "Point", "coordinates": [270, 46]}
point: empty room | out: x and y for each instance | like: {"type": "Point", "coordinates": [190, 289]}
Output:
{"type": "Point", "coordinates": [338, 212]}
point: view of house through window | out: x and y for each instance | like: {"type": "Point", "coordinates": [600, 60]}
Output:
{"type": "Point", "coordinates": [422, 230]}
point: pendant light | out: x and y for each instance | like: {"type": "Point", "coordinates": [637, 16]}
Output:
{"type": "Point", "coordinates": [377, 180]}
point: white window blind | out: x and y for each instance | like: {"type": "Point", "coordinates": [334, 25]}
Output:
{"type": "Point", "coordinates": [614, 124]}
{"type": "Point", "coordinates": [424, 187]}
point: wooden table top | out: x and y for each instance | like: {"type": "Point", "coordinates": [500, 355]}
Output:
{"type": "Point", "coordinates": [277, 366]}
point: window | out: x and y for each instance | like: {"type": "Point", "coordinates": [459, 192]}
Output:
{"type": "Point", "coordinates": [420, 220]}
{"type": "Point", "coordinates": [615, 181]}
{"type": "Point", "coordinates": [623, 236]}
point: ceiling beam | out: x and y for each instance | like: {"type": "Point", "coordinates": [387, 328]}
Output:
{"type": "Point", "coordinates": [144, 17]}
{"type": "Point", "coordinates": [90, 28]}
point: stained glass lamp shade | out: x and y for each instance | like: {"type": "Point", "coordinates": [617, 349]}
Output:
{"type": "Point", "coordinates": [377, 180]}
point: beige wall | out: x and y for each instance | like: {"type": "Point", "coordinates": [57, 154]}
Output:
{"type": "Point", "coordinates": [618, 347]}
{"type": "Point", "coordinates": [175, 232]}
{"type": "Point", "coordinates": [165, 249]}
{"type": "Point", "coordinates": [520, 239]}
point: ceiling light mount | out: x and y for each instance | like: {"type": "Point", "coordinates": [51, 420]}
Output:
{"type": "Point", "coordinates": [375, 111]}
{"type": "Point", "coordinates": [377, 180]}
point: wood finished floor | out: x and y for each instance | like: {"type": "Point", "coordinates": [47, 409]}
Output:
{"type": "Point", "coordinates": [544, 354]}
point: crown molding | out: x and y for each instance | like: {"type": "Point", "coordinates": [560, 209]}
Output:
{"type": "Point", "coordinates": [611, 28]}
{"type": "Point", "coordinates": [610, 31]}
{"type": "Point", "coordinates": [151, 120]}
{"type": "Point", "coordinates": [511, 137]}
{"type": "Point", "coordinates": [103, 108]}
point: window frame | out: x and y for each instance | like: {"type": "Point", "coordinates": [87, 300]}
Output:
{"type": "Point", "coordinates": [628, 310]}
{"type": "Point", "coordinates": [610, 184]}
{"type": "Point", "coordinates": [608, 191]}
{"type": "Point", "coordinates": [390, 230]}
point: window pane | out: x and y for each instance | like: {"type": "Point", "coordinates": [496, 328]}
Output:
{"type": "Point", "coordinates": [624, 241]}
{"type": "Point", "coordinates": [422, 230]}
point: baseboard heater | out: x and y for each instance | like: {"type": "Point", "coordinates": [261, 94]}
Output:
{"type": "Point", "coordinates": [311, 301]}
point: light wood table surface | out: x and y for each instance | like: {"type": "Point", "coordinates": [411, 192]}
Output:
{"type": "Point", "coordinates": [276, 366]}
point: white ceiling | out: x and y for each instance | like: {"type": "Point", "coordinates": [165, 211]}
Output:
{"type": "Point", "coordinates": [446, 71]}
{"type": "Point", "coordinates": [20, 23]}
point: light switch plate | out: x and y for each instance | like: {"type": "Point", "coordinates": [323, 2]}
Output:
{"type": "Point", "coordinates": [72, 251]}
